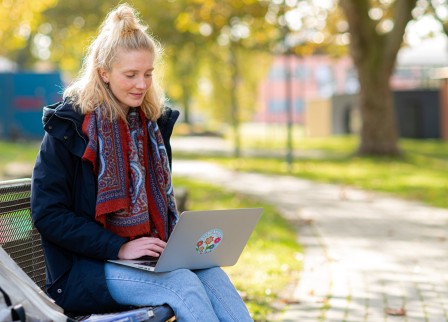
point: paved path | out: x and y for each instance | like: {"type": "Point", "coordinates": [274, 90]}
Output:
{"type": "Point", "coordinates": [365, 254]}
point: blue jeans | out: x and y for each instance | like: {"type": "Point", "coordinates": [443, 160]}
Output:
{"type": "Point", "coordinates": [199, 295]}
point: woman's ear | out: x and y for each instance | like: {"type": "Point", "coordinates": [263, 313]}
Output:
{"type": "Point", "coordinates": [104, 75]}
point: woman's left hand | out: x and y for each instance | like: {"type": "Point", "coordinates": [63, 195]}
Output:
{"type": "Point", "coordinates": [144, 246]}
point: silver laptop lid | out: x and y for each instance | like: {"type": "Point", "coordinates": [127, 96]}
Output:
{"type": "Point", "coordinates": [203, 239]}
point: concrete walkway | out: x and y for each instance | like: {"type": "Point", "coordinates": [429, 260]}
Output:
{"type": "Point", "coordinates": [368, 257]}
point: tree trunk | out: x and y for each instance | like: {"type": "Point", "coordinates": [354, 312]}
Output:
{"type": "Point", "coordinates": [186, 99]}
{"type": "Point", "coordinates": [186, 69]}
{"type": "Point", "coordinates": [378, 132]}
{"type": "Point", "coordinates": [374, 54]}
{"type": "Point", "coordinates": [235, 110]}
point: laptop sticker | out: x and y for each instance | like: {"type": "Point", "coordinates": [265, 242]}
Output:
{"type": "Point", "coordinates": [209, 241]}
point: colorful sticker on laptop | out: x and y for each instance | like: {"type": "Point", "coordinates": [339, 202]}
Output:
{"type": "Point", "coordinates": [209, 241]}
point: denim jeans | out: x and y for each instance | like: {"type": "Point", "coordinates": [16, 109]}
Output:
{"type": "Point", "coordinates": [198, 295]}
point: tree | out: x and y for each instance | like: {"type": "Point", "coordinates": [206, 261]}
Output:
{"type": "Point", "coordinates": [197, 37]}
{"type": "Point", "coordinates": [184, 46]}
{"type": "Point", "coordinates": [233, 28]}
{"type": "Point", "coordinates": [439, 9]}
{"type": "Point", "coordinates": [304, 28]}
{"type": "Point", "coordinates": [73, 24]}
{"type": "Point", "coordinates": [20, 37]}
{"type": "Point", "coordinates": [376, 36]}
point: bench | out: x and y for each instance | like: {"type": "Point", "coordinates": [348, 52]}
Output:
{"type": "Point", "coordinates": [22, 241]}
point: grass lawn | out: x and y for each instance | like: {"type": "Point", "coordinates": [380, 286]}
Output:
{"type": "Point", "coordinates": [420, 174]}
{"type": "Point", "coordinates": [17, 152]}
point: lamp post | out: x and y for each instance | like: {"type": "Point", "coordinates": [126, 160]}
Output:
{"type": "Point", "coordinates": [289, 108]}
{"type": "Point", "coordinates": [288, 41]}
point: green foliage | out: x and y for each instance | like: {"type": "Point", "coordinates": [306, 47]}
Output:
{"type": "Point", "coordinates": [272, 258]}
{"type": "Point", "coordinates": [20, 22]}
{"type": "Point", "coordinates": [196, 36]}
{"type": "Point", "coordinates": [73, 25]}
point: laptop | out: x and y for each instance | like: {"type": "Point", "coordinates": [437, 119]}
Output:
{"type": "Point", "coordinates": [203, 239]}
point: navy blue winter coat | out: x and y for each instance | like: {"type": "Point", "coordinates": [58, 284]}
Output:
{"type": "Point", "coordinates": [63, 199]}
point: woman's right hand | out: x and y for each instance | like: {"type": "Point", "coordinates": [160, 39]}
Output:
{"type": "Point", "coordinates": [144, 246]}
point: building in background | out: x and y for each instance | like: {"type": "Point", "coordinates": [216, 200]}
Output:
{"type": "Point", "coordinates": [324, 92]}
{"type": "Point", "coordinates": [22, 98]}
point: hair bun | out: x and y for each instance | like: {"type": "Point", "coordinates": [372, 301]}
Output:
{"type": "Point", "coordinates": [123, 20]}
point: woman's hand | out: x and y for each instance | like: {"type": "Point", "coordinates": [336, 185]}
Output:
{"type": "Point", "coordinates": [144, 246]}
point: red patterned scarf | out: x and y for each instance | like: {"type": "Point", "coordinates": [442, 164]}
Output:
{"type": "Point", "coordinates": [135, 194]}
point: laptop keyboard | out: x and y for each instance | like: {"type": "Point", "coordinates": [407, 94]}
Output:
{"type": "Point", "coordinates": [147, 263]}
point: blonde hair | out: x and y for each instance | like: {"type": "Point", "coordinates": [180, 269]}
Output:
{"type": "Point", "coordinates": [120, 30]}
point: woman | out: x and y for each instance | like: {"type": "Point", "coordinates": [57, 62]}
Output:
{"type": "Point", "coordinates": [102, 187]}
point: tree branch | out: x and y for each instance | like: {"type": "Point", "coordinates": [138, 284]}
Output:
{"type": "Point", "coordinates": [442, 22]}
{"type": "Point", "coordinates": [402, 14]}
{"type": "Point", "coordinates": [362, 31]}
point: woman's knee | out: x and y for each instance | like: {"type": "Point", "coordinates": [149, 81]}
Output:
{"type": "Point", "coordinates": [184, 278]}
{"type": "Point", "coordinates": [215, 274]}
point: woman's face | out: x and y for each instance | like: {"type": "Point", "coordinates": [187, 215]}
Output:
{"type": "Point", "coordinates": [130, 76]}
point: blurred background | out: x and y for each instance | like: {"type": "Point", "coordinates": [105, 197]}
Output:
{"type": "Point", "coordinates": [258, 68]}
{"type": "Point", "coordinates": [348, 92]}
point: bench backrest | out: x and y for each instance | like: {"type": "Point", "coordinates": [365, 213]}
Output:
{"type": "Point", "coordinates": [18, 237]}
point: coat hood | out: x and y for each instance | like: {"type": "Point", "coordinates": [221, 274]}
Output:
{"type": "Point", "coordinates": [63, 110]}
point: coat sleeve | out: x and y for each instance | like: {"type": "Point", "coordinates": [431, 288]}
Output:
{"type": "Point", "coordinates": [53, 206]}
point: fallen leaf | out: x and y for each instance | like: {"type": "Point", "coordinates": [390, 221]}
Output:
{"type": "Point", "coordinates": [285, 301]}
{"type": "Point", "coordinates": [395, 312]}
{"type": "Point", "coordinates": [323, 300]}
